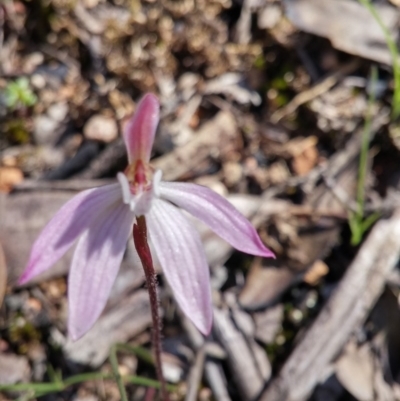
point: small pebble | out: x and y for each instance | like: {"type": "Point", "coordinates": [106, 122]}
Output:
{"type": "Point", "coordinates": [58, 111]}
{"type": "Point", "coordinates": [101, 128]}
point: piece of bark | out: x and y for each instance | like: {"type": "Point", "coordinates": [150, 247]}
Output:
{"type": "Point", "coordinates": [264, 285]}
{"type": "Point", "coordinates": [385, 319]}
{"type": "Point", "coordinates": [195, 375]}
{"type": "Point", "coordinates": [346, 310]}
{"type": "Point", "coordinates": [347, 24]}
{"type": "Point", "coordinates": [268, 323]}
{"type": "Point", "coordinates": [245, 368]}
{"type": "Point", "coordinates": [244, 322]}
{"type": "Point", "coordinates": [212, 369]}
{"type": "Point", "coordinates": [215, 377]}
{"type": "Point", "coordinates": [129, 318]}
{"type": "Point", "coordinates": [355, 371]}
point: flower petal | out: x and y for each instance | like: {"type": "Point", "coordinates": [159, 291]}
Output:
{"type": "Point", "coordinates": [95, 265]}
{"type": "Point", "coordinates": [63, 229]}
{"type": "Point", "coordinates": [215, 211]}
{"type": "Point", "coordinates": [140, 130]}
{"type": "Point", "coordinates": [181, 255]}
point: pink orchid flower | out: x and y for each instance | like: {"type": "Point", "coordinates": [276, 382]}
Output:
{"type": "Point", "coordinates": [103, 218]}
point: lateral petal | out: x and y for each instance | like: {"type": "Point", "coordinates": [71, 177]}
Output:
{"type": "Point", "coordinates": [95, 265]}
{"type": "Point", "coordinates": [140, 130]}
{"type": "Point", "coordinates": [68, 223]}
{"type": "Point", "coordinates": [181, 255]}
{"type": "Point", "coordinates": [215, 211]}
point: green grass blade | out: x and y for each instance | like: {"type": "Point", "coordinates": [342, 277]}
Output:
{"type": "Point", "coordinates": [391, 44]}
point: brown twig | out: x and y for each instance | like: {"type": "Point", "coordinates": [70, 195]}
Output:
{"type": "Point", "coordinates": [212, 368]}
{"type": "Point", "coordinates": [313, 92]}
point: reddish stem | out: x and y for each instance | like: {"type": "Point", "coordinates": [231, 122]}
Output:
{"type": "Point", "coordinates": [143, 250]}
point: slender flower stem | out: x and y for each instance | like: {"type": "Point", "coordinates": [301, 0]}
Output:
{"type": "Point", "coordinates": [142, 247]}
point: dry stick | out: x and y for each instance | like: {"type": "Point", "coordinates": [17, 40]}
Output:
{"type": "Point", "coordinates": [315, 91]}
{"type": "Point", "coordinates": [213, 371]}
{"type": "Point", "coordinates": [142, 247]}
{"type": "Point", "coordinates": [346, 310]}
{"type": "Point", "coordinates": [195, 375]}
{"type": "Point", "coordinates": [72, 185]}
{"type": "Point", "coordinates": [245, 372]}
